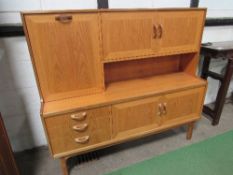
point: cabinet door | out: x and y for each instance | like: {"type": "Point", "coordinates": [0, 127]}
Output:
{"type": "Point", "coordinates": [134, 117]}
{"type": "Point", "coordinates": [65, 48]}
{"type": "Point", "coordinates": [180, 31]}
{"type": "Point", "coordinates": [186, 103]}
{"type": "Point", "coordinates": [128, 34]}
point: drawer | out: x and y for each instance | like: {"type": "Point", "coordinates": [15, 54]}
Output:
{"type": "Point", "coordinates": [77, 130]}
{"type": "Point", "coordinates": [131, 117]}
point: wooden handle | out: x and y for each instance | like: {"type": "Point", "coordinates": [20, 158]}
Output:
{"type": "Point", "coordinates": [79, 116]}
{"type": "Point", "coordinates": [164, 108]}
{"type": "Point", "coordinates": [160, 31]}
{"type": "Point", "coordinates": [80, 127]}
{"type": "Point", "coordinates": [64, 18]}
{"type": "Point", "coordinates": [160, 109]}
{"type": "Point", "coordinates": [83, 139]}
{"type": "Point", "coordinates": [155, 31]}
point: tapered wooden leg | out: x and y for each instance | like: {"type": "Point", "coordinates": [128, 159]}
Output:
{"type": "Point", "coordinates": [190, 131]}
{"type": "Point", "coordinates": [64, 166]}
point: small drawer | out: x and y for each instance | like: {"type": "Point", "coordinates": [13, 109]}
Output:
{"type": "Point", "coordinates": [68, 132]}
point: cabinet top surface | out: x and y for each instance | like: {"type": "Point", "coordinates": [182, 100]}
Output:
{"type": "Point", "coordinates": [109, 10]}
{"type": "Point", "coordinates": [125, 90]}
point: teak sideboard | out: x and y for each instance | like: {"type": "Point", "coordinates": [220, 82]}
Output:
{"type": "Point", "coordinates": [109, 76]}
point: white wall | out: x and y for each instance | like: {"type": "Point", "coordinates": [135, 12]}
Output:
{"type": "Point", "coordinates": [19, 99]}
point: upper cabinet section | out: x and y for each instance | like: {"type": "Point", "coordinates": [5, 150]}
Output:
{"type": "Point", "coordinates": [131, 34]}
{"type": "Point", "coordinates": [69, 48]}
{"type": "Point", "coordinates": [66, 53]}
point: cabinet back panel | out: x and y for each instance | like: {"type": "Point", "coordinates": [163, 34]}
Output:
{"type": "Point", "coordinates": [125, 70]}
{"type": "Point", "coordinates": [66, 55]}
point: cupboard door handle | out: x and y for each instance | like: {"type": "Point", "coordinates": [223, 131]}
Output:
{"type": "Point", "coordinates": [64, 18]}
{"type": "Point", "coordinates": [164, 108]}
{"type": "Point", "coordinates": [82, 140]}
{"type": "Point", "coordinates": [160, 109]}
{"type": "Point", "coordinates": [79, 116]}
{"type": "Point", "coordinates": [155, 31]}
{"type": "Point", "coordinates": [160, 31]}
{"type": "Point", "coordinates": [80, 127]}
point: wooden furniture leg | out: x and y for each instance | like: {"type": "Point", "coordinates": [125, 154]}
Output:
{"type": "Point", "coordinates": [205, 68]}
{"type": "Point", "coordinates": [190, 131]}
{"type": "Point", "coordinates": [64, 166]}
{"type": "Point", "coordinates": [222, 92]}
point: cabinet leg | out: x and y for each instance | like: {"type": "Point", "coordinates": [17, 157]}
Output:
{"type": "Point", "coordinates": [64, 166]}
{"type": "Point", "coordinates": [190, 131]}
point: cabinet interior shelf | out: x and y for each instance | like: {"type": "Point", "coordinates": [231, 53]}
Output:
{"type": "Point", "coordinates": [121, 91]}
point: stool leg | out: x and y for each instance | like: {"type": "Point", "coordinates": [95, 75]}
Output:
{"type": "Point", "coordinates": [64, 166]}
{"type": "Point", "coordinates": [190, 131]}
{"type": "Point", "coordinates": [222, 92]}
{"type": "Point", "coordinates": [205, 68]}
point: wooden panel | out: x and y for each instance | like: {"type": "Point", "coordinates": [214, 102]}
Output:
{"type": "Point", "coordinates": [62, 136]}
{"type": "Point", "coordinates": [189, 63]}
{"type": "Point", "coordinates": [181, 31]}
{"type": "Point", "coordinates": [66, 54]}
{"type": "Point", "coordinates": [127, 34]}
{"type": "Point", "coordinates": [7, 161]}
{"type": "Point", "coordinates": [140, 68]}
{"type": "Point", "coordinates": [184, 103]}
{"type": "Point", "coordinates": [130, 116]}
{"type": "Point", "coordinates": [126, 90]}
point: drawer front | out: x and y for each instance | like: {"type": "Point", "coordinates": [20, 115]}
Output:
{"type": "Point", "coordinates": [183, 104]}
{"type": "Point", "coordinates": [78, 130]}
{"type": "Point", "coordinates": [131, 117]}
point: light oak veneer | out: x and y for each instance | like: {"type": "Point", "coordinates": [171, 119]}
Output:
{"type": "Point", "coordinates": [109, 76]}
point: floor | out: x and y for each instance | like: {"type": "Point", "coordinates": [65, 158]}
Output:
{"type": "Point", "coordinates": [39, 161]}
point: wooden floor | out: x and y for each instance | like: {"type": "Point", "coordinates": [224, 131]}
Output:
{"type": "Point", "coordinates": [39, 162]}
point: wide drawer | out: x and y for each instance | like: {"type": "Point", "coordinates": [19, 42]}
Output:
{"type": "Point", "coordinates": [77, 130]}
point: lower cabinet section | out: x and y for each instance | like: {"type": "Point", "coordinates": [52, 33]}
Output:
{"type": "Point", "coordinates": [140, 115]}
{"type": "Point", "coordinates": [77, 130]}
{"type": "Point", "coordinates": [108, 125]}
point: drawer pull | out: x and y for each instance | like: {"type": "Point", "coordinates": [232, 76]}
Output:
{"type": "Point", "coordinates": [154, 31]}
{"type": "Point", "coordinates": [80, 127]}
{"type": "Point", "coordinates": [164, 108]}
{"type": "Point", "coordinates": [160, 31]}
{"type": "Point", "coordinates": [83, 139]}
{"type": "Point", "coordinates": [64, 18]}
{"type": "Point", "coordinates": [79, 116]}
{"type": "Point", "coordinates": [160, 109]}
